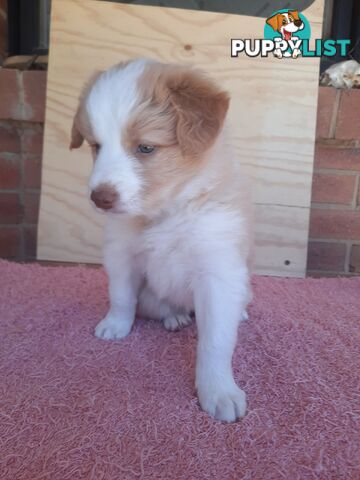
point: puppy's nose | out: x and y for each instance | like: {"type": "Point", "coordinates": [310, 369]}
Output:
{"type": "Point", "coordinates": [104, 196]}
{"type": "Point", "coordinates": [298, 23]}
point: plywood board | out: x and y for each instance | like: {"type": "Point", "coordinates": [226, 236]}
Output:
{"type": "Point", "coordinates": [272, 116]}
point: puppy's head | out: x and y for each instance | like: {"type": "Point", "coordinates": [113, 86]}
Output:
{"type": "Point", "coordinates": [286, 23]}
{"type": "Point", "coordinates": [149, 126]}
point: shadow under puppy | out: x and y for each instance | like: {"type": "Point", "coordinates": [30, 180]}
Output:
{"type": "Point", "coordinates": [177, 236]}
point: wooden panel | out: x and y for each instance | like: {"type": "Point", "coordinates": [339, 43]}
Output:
{"type": "Point", "coordinates": [254, 8]}
{"type": "Point", "coordinates": [273, 114]}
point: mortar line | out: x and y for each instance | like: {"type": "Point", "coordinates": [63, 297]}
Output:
{"type": "Point", "coordinates": [334, 115]}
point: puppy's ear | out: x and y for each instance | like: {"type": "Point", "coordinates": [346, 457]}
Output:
{"type": "Point", "coordinates": [200, 108]}
{"type": "Point", "coordinates": [77, 138]}
{"type": "Point", "coordinates": [81, 119]}
{"type": "Point", "coordinates": [295, 14]}
{"type": "Point", "coordinates": [274, 21]}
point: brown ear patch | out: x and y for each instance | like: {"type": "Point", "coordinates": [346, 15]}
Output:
{"type": "Point", "coordinates": [275, 21]}
{"type": "Point", "coordinates": [295, 14]}
{"type": "Point", "coordinates": [77, 138]}
{"type": "Point", "coordinates": [201, 109]}
{"type": "Point", "coordinates": [81, 126]}
{"type": "Point", "coordinates": [199, 105]}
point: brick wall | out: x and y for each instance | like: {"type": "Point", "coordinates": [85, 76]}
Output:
{"type": "Point", "coordinates": [334, 243]}
{"type": "Point", "coordinates": [22, 106]}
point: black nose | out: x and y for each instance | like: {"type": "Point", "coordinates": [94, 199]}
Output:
{"type": "Point", "coordinates": [298, 23]}
{"type": "Point", "coordinates": [104, 196]}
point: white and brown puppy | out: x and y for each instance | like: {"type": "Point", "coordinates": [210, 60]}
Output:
{"type": "Point", "coordinates": [177, 235]}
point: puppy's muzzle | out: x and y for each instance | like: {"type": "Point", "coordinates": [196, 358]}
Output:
{"type": "Point", "coordinates": [104, 196]}
{"type": "Point", "coordinates": [298, 23]}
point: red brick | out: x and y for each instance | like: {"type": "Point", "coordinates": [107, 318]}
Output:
{"type": "Point", "coordinates": [10, 242]}
{"type": "Point", "coordinates": [334, 224]}
{"type": "Point", "coordinates": [348, 120]}
{"type": "Point", "coordinates": [326, 103]}
{"type": "Point", "coordinates": [340, 158]}
{"type": "Point", "coordinates": [333, 188]}
{"type": "Point", "coordinates": [354, 265]}
{"type": "Point", "coordinates": [31, 206]}
{"type": "Point", "coordinates": [9, 171]}
{"type": "Point", "coordinates": [32, 171]}
{"type": "Point", "coordinates": [11, 210]}
{"type": "Point", "coordinates": [10, 107]}
{"type": "Point", "coordinates": [34, 84]}
{"type": "Point", "coordinates": [9, 139]}
{"type": "Point", "coordinates": [326, 256]}
{"type": "Point", "coordinates": [30, 241]}
{"type": "Point", "coordinates": [32, 141]}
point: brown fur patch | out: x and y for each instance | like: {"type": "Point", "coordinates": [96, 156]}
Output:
{"type": "Point", "coordinates": [201, 108]}
{"type": "Point", "coordinates": [81, 128]}
{"type": "Point", "coordinates": [181, 113]}
{"type": "Point", "coordinates": [275, 21]}
{"type": "Point", "coordinates": [294, 14]}
{"type": "Point", "coordinates": [180, 104]}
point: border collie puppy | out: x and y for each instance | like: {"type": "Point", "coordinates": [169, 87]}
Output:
{"type": "Point", "coordinates": [177, 237]}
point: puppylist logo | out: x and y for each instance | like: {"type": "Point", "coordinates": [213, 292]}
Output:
{"type": "Point", "coordinates": [286, 35]}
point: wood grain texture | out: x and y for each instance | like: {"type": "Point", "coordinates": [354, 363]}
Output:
{"type": "Point", "coordinates": [272, 117]}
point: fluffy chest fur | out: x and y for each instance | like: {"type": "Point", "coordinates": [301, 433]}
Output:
{"type": "Point", "coordinates": [172, 254]}
{"type": "Point", "coordinates": [164, 257]}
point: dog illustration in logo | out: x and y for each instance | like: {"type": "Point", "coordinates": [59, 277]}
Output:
{"type": "Point", "coordinates": [286, 23]}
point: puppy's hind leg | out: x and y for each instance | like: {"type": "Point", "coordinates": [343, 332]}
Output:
{"type": "Point", "coordinates": [150, 306]}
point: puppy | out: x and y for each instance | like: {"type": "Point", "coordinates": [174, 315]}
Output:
{"type": "Point", "coordinates": [177, 238]}
{"type": "Point", "coordinates": [286, 23]}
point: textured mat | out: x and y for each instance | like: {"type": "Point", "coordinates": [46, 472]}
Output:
{"type": "Point", "coordinates": [75, 407]}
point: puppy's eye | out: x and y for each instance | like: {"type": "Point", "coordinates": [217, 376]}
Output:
{"type": "Point", "coordinates": [284, 22]}
{"type": "Point", "coordinates": [145, 148]}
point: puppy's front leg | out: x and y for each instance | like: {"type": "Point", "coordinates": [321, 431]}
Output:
{"type": "Point", "coordinates": [123, 288]}
{"type": "Point", "coordinates": [218, 308]}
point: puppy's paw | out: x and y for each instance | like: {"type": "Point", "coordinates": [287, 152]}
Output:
{"type": "Point", "coordinates": [177, 321]}
{"type": "Point", "coordinates": [225, 404]}
{"type": "Point", "coordinates": [112, 329]}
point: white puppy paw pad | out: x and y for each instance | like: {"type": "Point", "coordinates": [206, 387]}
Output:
{"type": "Point", "coordinates": [177, 321]}
{"type": "Point", "coordinates": [226, 406]}
{"type": "Point", "coordinates": [110, 329]}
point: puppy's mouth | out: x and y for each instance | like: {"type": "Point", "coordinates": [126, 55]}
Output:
{"type": "Point", "coordinates": [115, 210]}
{"type": "Point", "coordinates": [287, 35]}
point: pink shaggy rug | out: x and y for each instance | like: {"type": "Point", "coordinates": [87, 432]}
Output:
{"type": "Point", "coordinates": [75, 407]}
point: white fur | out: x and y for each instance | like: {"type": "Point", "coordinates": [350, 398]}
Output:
{"type": "Point", "coordinates": [343, 74]}
{"type": "Point", "coordinates": [184, 259]}
{"type": "Point", "coordinates": [108, 105]}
